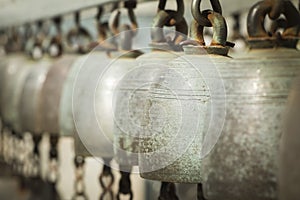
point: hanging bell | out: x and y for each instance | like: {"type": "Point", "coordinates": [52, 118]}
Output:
{"type": "Point", "coordinates": [180, 102]}
{"type": "Point", "coordinates": [51, 93]}
{"type": "Point", "coordinates": [96, 82]}
{"type": "Point", "coordinates": [289, 176]}
{"type": "Point", "coordinates": [243, 163]}
{"type": "Point", "coordinates": [30, 100]}
{"type": "Point", "coordinates": [131, 96]}
{"type": "Point", "coordinates": [14, 81]}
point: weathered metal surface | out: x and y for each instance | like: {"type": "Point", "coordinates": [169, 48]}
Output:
{"type": "Point", "coordinates": [94, 118]}
{"type": "Point", "coordinates": [15, 76]}
{"type": "Point", "coordinates": [179, 103]}
{"type": "Point", "coordinates": [289, 176]}
{"type": "Point", "coordinates": [93, 139]}
{"type": "Point", "coordinates": [9, 62]}
{"type": "Point", "coordinates": [66, 121]}
{"type": "Point", "coordinates": [30, 103]}
{"type": "Point", "coordinates": [243, 163]}
{"type": "Point", "coordinates": [131, 100]}
{"type": "Point", "coordinates": [51, 93]}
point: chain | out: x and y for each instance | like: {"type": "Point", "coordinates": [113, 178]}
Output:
{"type": "Point", "coordinates": [20, 154]}
{"type": "Point", "coordinates": [200, 195]}
{"type": "Point", "coordinates": [174, 18]}
{"type": "Point", "coordinates": [79, 185]}
{"type": "Point", "coordinates": [125, 185]}
{"type": "Point", "coordinates": [53, 173]}
{"type": "Point", "coordinates": [168, 191]}
{"type": "Point", "coordinates": [201, 16]}
{"type": "Point", "coordinates": [14, 151]}
{"type": "Point", "coordinates": [106, 187]}
{"type": "Point", "coordinates": [276, 8]}
{"type": "Point", "coordinates": [31, 167]}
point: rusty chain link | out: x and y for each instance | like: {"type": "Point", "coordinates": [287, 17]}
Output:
{"type": "Point", "coordinates": [259, 37]}
{"type": "Point", "coordinates": [169, 18]}
{"type": "Point", "coordinates": [106, 185]}
{"type": "Point", "coordinates": [168, 191]}
{"type": "Point", "coordinates": [79, 185]}
{"type": "Point", "coordinates": [201, 16]}
{"type": "Point", "coordinates": [125, 185]}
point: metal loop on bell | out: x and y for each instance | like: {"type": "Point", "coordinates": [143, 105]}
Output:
{"type": "Point", "coordinates": [126, 31]}
{"type": "Point", "coordinates": [78, 32]}
{"type": "Point", "coordinates": [56, 48]}
{"type": "Point", "coordinates": [169, 18]}
{"type": "Point", "coordinates": [275, 8]}
{"type": "Point", "coordinates": [257, 31]}
{"type": "Point", "coordinates": [219, 44]}
{"type": "Point", "coordinates": [200, 16]}
{"type": "Point", "coordinates": [115, 18]}
{"type": "Point", "coordinates": [37, 51]}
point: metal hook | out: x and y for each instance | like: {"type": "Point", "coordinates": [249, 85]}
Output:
{"type": "Point", "coordinates": [218, 45]}
{"type": "Point", "coordinates": [180, 6]}
{"type": "Point", "coordinates": [77, 33]}
{"type": "Point", "coordinates": [199, 16]}
{"type": "Point", "coordinates": [257, 14]}
{"type": "Point", "coordinates": [55, 48]}
{"type": "Point", "coordinates": [276, 8]}
{"type": "Point", "coordinates": [169, 18]}
{"type": "Point", "coordinates": [115, 18]}
{"type": "Point", "coordinates": [219, 29]}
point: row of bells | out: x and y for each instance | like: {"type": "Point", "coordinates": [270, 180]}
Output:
{"type": "Point", "coordinates": [183, 118]}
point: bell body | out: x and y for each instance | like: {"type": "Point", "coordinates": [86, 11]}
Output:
{"type": "Point", "coordinates": [130, 102]}
{"type": "Point", "coordinates": [51, 93]}
{"type": "Point", "coordinates": [244, 162]}
{"type": "Point", "coordinates": [66, 120]}
{"type": "Point", "coordinates": [177, 114]}
{"type": "Point", "coordinates": [289, 164]}
{"type": "Point", "coordinates": [30, 103]}
{"type": "Point", "coordinates": [15, 81]}
{"type": "Point", "coordinates": [92, 105]}
{"type": "Point", "coordinates": [9, 65]}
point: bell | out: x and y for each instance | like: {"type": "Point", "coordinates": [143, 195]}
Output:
{"type": "Point", "coordinates": [289, 176]}
{"type": "Point", "coordinates": [98, 74]}
{"type": "Point", "coordinates": [180, 102]}
{"type": "Point", "coordinates": [10, 61]}
{"type": "Point", "coordinates": [15, 78]}
{"type": "Point", "coordinates": [131, 93]}
{"type": "Point", "coordinates": [244, 161]}
{"type": "Point", "coordinates": [30, 100]}
{"type": "Point", "coordinates": [51, 93]}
